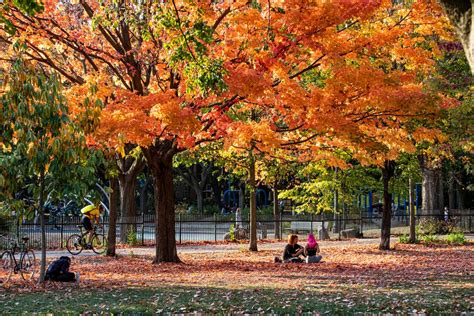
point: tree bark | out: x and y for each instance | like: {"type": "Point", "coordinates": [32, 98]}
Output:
{"type": "Point", "coordinates": [242, 195]}
{"type": "Point", "coordinates": [113, 212]}
{"type": "Point", "coordinates": [460, 14]}
{"type": "Point", "coordinates": [160, 158]}
{"type": "Point", "coordinates": [428, 190]}
{"type": "Point", "coordinates": [253, 206]}
{"type": "Point", "coordinates": [276, 212]}
{"type": "Point", "coordinates": [43, 228]}
{"type": "Point", "coordinates": [451, 192]}
{"type": "Point", "coordinates": [128, 185]}
{"type": "Point", "coordinates": [411, 206]}
{"type": "Point", "coordinates": [387, 173]}
{"type": "Point", "coordinates": [144, 195]}
{"type": "Point", "coordinates": [129, 169]}
{"type": "Point", "coordinates": [217, 190]}
{"type": "Point", "coordinates": [440, 191]}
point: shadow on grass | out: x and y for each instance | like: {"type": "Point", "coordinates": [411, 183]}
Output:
{"type": "Point", "coordinates": [186, 299]}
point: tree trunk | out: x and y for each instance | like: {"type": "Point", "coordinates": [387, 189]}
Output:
{"type": "Point", "coordinates": [460, 196]}
{"type": "Point", "coordinates": [199, 198]}
{"type": "Point", "coordinates": [440, 192]}
{"type": "Point", "coordinates": [428, 191]}
{"type": "Point", "coordinates": [411, 207]}
{"type": "Point", "coordinates": [43, 228]}
{"type": "Point", "coordinates": [217, 190]}
{"type": "Point", "coordinates": [128, 185]}
{"type": "Point", "coordinates": [387, 173]}
{"type": "Point", "coordinates": [276, 212]}
{"type": "Point", "coordinates": [460, 14]}
{"type": "Point", "coordinates": [113, 212]}
{"type": "Point", "coordinates": [253, 206]}
{"type": "Point", "coordinates": [160, 158]}
{"type": "Point", "coordinates": [144, 195]}
{"type": "Point", "coordinates": [336, 227]}
{"type": "Point", "coordinates": [242, 195]}
{"type": "Point", "coordinates": [451, 192]}
{"type": "Point", "coordinates": [129, 168]}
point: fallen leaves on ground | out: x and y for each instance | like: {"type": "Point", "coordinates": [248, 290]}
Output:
{"type": "Point", "coordinates": [350, 276]}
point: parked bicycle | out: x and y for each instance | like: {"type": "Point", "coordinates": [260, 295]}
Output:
{"type": "Point", "coordinates": [78, 242]}
{"type": "Point", "coordinates": [26, 263]}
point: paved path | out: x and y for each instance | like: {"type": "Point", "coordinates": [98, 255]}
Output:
{"type": "Point", "coordinates": [219, 248]}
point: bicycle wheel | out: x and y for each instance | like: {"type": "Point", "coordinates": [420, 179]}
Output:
{"type": "Point", "coordinates": [74, 244]}
{"type": "Point", "coordinates": [99, 243]}
{"type": "Point", "coordinates": [28, 265]}
{"type": "Point", "coordinates": [8, 265]}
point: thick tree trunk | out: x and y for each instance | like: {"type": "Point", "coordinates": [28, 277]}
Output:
{"type": "Point", "coordinates": [411, 206]}
{"type": "Point", "coordinates": [199, 198]}
{"type": "Point", "coordinates": [276, 212]}
{"type": "Point", "coordinates": [113, 213]}
{"type": "Point", "coordinates": [387, 173]}
{"type": "Point", "coordinates": [253, 206]}
{"type": "Point", "coordinates": [128, 185]}
{"type": "Point", "coordinates": [460, 14]}
{"type": "Point", "coordinates": [242, 195]}
{"type": "Point", "coordinates": [43, 229]}
{"type": "Point", "coordinates": [460, 196]}
{"type": "Point", "coordinates": [144, 195]}
{"type": "Point", "coordinates": [428, 191]}
{"type": "Point", "coordinates": [160, 158]}
{"type": "Point", "coordinates": [129, 168]}
{"type": "Point", "coordinates": [440, 191]}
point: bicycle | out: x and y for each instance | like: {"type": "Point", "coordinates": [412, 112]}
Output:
{"type": "Point", "coordinates": [25, 265]}
{"type": "Point", "coordinates": [76, 243]}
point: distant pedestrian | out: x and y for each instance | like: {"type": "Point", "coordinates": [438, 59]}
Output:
{"type": "Point", "coordinates": [238, 218]}
{"type": "Point", "coordinates": [446, 214]}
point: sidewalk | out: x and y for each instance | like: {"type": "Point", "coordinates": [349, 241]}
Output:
{"type": "Point", "coordinates": [219, 248]}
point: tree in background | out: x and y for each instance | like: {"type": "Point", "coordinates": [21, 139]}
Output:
{"type": "Point", "coordinates": [40, 142]}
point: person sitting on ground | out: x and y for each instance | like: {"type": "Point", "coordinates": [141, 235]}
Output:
{"type": "Point", "coordinates": [58, 270]}
{"type": "Point", "coordinates": [293, 251]}
{"type": "Point", "coordinates": [311, 251]}
{"type": "Point", "coordinates": [90, 213]}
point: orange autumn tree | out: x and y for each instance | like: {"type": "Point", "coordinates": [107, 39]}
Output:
{"type": "Point", "coordinates": [263, 74]}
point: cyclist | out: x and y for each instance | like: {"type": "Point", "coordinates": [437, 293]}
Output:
{"type": "Point", "coordinates": [91, 213]}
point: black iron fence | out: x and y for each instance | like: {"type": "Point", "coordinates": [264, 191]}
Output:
{"type": "Point", "coordinates": [140, 230]}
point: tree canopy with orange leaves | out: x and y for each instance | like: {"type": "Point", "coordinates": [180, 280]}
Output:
{"type": "Point", "coordinates": [260, 74]}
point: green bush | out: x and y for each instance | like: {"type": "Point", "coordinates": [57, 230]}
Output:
{"type": "Point", "coordinates": [132, 237]}
{"type": "Point", "coordinates": [456, 238]}
{"type": "Point", "coordinates": [232, 232]}
{"type": "Point", "coordinates": [429, 239]}
{"type": "Point", "coordinates": [433, 226]}
{"type": "Point", "coordinates": [404, 239]}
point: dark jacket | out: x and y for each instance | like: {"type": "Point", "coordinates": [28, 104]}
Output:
{"type": "Point", "coordinates": [57, 267]}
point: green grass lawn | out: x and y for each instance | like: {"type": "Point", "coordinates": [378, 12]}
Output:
{"type": "Point", "coordinates": [342, 299]}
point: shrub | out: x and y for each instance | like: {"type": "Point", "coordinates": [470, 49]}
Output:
{"type": "Point", "coordinates": [433, 226]}
{"type": "Point", "coordinates": [429, 239]}
{"type": "Point", "coordinates": [404, 239]}
{"type": "Point", "coordinates": [132, 237]}
{"type": "Point", "coordinates": [232, 232]}
{"type": "Point", "coordinates": [456, 238]}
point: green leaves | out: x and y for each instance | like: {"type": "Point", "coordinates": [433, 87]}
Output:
{"type": "Point", "coordinates": [43, 138]}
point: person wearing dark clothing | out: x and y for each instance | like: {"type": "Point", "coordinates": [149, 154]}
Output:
{"type": "Point", "coordinates": [293, 251]}
{"type": "Point", "coordinates": [58, 270]}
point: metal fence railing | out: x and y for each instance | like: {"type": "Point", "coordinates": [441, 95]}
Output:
{"type": "Point", "coordinates": [140, 230]}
